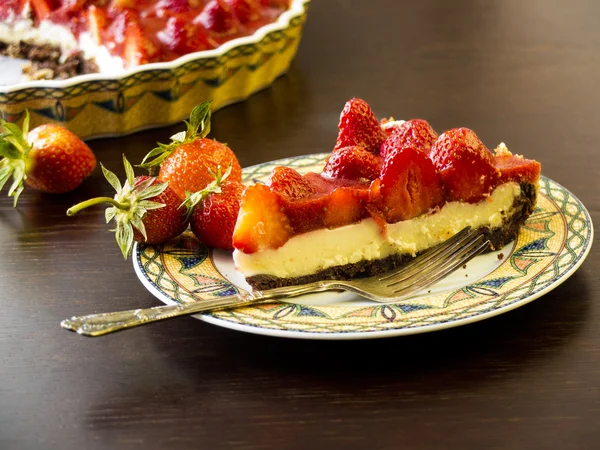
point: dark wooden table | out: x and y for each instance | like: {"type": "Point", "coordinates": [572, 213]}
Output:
{"type": "Point", "coordinates": [521, 72]}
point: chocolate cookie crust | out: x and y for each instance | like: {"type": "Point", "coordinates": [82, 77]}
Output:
{"type": "Point", "coordinates": [46, 63]}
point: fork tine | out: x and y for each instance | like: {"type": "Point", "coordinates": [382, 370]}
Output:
{"type": "Point", "coordinates": [444, 258]}
{"type": "Point", "coordinates": [438, 252]}
{"type": "Point", "coordinates": [444, 269]}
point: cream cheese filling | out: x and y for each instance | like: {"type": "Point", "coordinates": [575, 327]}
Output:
{"type": "Point", "coordinates": [320, 249]}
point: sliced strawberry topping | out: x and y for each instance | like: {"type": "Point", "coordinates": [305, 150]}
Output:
{"type": "Point", "coordinates": [465, 164]}
{"type": "Point", "coordinates": [359, 126]}
{"type": "Point", "coordinates": [261, 223]}
{"type": "Point", "coordinates": [353, 163]}
{"type": "Point", "coordinates": [408, 187]}
{"type": "Point", "coordinates": [516, 168]}
{"type": "Point", "coordinates": [415, 133]}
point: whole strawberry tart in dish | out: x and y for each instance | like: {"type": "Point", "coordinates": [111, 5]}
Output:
{"type": "Point", "coordinates": [63, 38]}
{"type": "Point", "coordinates": [389, 191]}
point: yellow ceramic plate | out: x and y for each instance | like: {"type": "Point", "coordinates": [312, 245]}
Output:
{"type": "Point", "coordinates": [550, 247]}
{"type": "Point", "coordinates": [98, 105]}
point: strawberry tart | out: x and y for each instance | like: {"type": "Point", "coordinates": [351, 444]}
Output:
{"type": "Point", "coordinates": [63, 38]}
{"type": "Point", "coordinates": [389, 191]}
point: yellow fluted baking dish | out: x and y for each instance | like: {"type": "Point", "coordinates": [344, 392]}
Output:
{"type": "Point", "coordinates": [160, 94]}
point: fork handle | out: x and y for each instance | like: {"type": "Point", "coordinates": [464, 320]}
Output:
{"type": "Point", "coordinates": [105, 323]}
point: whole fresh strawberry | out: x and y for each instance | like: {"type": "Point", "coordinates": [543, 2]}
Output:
{"type": "Point", "coordinates": [144, 209]}
{"type": "Point", "coordinates": [359, 126]}
{"type": "Point", "coordinates": [49, 158]}
{"type": "Point", "coordinates": [213, 211]}
{"type": "Point", "coordinates": [187, 162]}
{"type": "Point", "coordinates": [415, 133]}
{"type": "Point", "coordinates": [466, 165]}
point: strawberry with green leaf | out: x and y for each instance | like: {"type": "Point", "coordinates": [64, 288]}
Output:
{"type": "Point", "coordinates": [49, 158]}
{"type": "Point", "coordinates": [144, 209]}
{"type": "Point", "coordinates": [187, 161]}
{"type": "Point", "coordinates": [213, 211]}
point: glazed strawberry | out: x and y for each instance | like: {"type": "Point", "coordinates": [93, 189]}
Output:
{"type": "Point", "coordinates": [182, 37]}
{"type": "Point", "coordinates": [187, 162]}
{"type": "Point", "coordinates": [352, 163]}
{"type": "Point", "coordinates": [261, 223]}
{"type": "Point", "coordinates": [172, 6]}
{"type": "Point", "coordinates": [245, 10]}
{"type": "Point", "coordinates": [518, 169]}
{"type": "Point", "coordinates": [97, 23]}
{"type": "Point", "coordinates": [409, 185]}
{"type": "Point", "coordinates": [359, 126]}
{"type": "Point", "coordinates": [290, 184]}
{"type": "Point", "coordinates": [12, 8]}
{"type": "Point", "coordinates": [213, 211]}
{"type": "Point", "coordinates": [144, 210]}
{"type": "Point", "coordinates": [49, 158]}
{"type": "Point", "coordinates": [345, 205]}
{"type": "Point", "coordinates": [415, 133]}
{"type": "Point", "coordinates": [218, 17]}
{"type": "Point", "coordinates": [137, 47]}
{"type": "Point", "coordinates": [42, 8]}
{"type": "Point", "coordinates": [465, 164]}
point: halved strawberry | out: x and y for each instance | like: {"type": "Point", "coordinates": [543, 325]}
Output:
{"type": "Point", "coordinates": [415, 133]}
{"type": "Point", "coordinates": [290, 184]}
{"type": "Point", "coordinates": [183, 37]}
{"type": "Point", "coordinates": [172, 6]}
{"type": "Point", "coordinates": [345, 205]}
{"type": "Point", "coordinates": [138, 48]}
{"type": "Point", "coordinates": [359, 126]}
{"type": "Point", "coordinates": [245, 10]}
{"type": "Point", "coordinates": [465, 164]}
{"type": "Point", "coordinates": [261, 222]}
{"type": "Point", "coordinates": [96, 19]}
{"type": "Point", "coordinates": [352, 163]}
{"type": "Point", "coordinates": [218, 17]}
{"type": "Point", "coordinates": [12, 9]}
{"type": "Point", "coordinates": [43, 8]}
{"type": "Point", "coordinates": [409, 185]}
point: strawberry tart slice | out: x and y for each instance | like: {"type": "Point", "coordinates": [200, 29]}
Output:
{"type": "Point", "coordinates": [63, 38]}
{"type": "Point", "coordinates": [388, 191]}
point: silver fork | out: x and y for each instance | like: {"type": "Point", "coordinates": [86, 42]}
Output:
{"type": "Point", "coordinates": [390, 287]}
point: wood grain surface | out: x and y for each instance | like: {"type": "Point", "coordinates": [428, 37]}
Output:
{"type": "Point", "coordinates": [522, 72]}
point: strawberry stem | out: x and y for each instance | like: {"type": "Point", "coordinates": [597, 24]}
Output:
{"type": "Point", "coordinates": [197, 127]}
{"type": "Point", "coordinates": [96, 201]}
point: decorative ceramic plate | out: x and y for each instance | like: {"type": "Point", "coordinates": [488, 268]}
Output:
{"type": "Point", "coordinates": [97, 105]}
{"type": "Point", "coordinates": [550, 247]}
